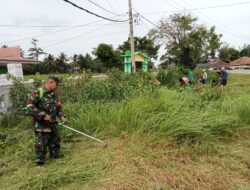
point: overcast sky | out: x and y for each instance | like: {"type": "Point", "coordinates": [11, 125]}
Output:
{"type": "Point", "coordinates": [231, 21]}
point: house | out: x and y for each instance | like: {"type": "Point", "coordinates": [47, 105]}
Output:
{"type": "Point", "coordinates": [12, 61]}
{"type": "Point", "coordinates": [241, 63]}
{"type": "Point", "coordinates": [214, 64]}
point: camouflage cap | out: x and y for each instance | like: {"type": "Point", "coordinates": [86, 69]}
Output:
{"type": "Point", "coordinates": [56, 79]}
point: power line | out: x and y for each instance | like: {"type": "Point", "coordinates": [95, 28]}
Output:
{"type": "Point", "coordinates": [42, 26]}
{"type": "Point", "coordinates": [200, 8]}
{"type": "Point", "coordinates": [147, 19]}
{"type": "Point", "coordinates": [104, 8]}
{"type": "Point", "coordinates": [65, 41]}
{"type": "Point", "coordinates": [146, 25]}
{"type": "Point", "coordinates": [92, 13]}
{"type": "Point", "coordinates": [117, 5]}
{"type": "Point", "coordinates": [75, 37]}
{"type": "Point", "coordinates": [227, 29]}
{"type": "Point", "coordinates": [32, 26]}
{"type": "Point", "coordinates": [79, 36]}
{"type": "Point", "coordinates": [48, 33]}
{"type": "Point", "coordinates": [110, 4]}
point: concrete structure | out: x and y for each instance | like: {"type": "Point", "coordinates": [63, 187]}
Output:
{"type": "Point", "coordinates": [11, 61]}
{"type": "Point", "coordinates": [141, 60]}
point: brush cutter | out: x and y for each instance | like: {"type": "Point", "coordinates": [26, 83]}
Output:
{"type": "Point", "coordinates": [23, 111]}
{"type": "Point", "coordinates": [104, 144]}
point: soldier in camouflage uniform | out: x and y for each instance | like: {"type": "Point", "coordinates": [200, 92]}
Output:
{"type": "Point", "coordinates": [45, 105]}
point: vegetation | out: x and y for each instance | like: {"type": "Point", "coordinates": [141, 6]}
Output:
{"type": "Point", "coordinates": [186, 42]}
{"type": "Point", "coordinates": [159, 138]}
{"type": "Point", "coordinates": [228, 54]}
{"type": "Point", "coordinates": [105, 57]}
{"type": "Point", "coordinates": [35, 51]}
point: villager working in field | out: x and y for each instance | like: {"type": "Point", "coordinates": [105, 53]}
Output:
{"type": "Point", "coordinates": [184, 80]}
{"type": "Point", "coordinates": [204, 77]}
{"type": "Point", "coordinates": [224, 76]}
{"type": "Point", "coordinates": [191, 76]}
{"type": "Point", "coordinates": [45, 105]}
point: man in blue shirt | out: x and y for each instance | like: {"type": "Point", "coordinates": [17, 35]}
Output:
{"type": "Point", "coordinates": [224, 76]}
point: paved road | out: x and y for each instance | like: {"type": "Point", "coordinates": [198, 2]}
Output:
{"type": "Point", "coordinates": [239, 71]}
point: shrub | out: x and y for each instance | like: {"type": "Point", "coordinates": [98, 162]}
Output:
{"type": "Point", "coordinates": [210, 75]}
{"type": "Point", "coordinates": [19, 94]}
{"type": "Point", "coordinates": [117, 87]}
{"type": "Point", "coordinates": [170, 77]}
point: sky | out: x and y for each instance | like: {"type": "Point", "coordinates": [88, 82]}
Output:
{"type": "Point", "coordinates": [75, 31]}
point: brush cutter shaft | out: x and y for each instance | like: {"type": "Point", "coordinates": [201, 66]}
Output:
{"type": "Point", "coordinates": [83, 134]}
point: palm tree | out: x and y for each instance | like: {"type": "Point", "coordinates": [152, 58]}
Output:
{"type": "Point", "coordinates": [61, 63]}
{"type": "Point", "coordinates": [49, 63]}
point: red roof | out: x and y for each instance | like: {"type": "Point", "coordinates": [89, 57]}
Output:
{"type": "Point", "coordinates": [10, 52]}
{"type": "Point", "coordinates": [241, 61]}
{"type": "Point", "coordinates": [13, 55]}
{"type": "Point", "coordinates": [218, 63]}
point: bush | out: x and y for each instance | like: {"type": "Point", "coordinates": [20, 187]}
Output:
{"type": "Point", "coordinates": [210, 75]}
{"type": "Point", "coordinates": [117, 87]}
{"type": "Point", "coordinates": [19, 94]}
{"type": "Point", "coordinates": [170, 77]}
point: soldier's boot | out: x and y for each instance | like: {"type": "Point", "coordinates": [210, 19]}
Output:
{"type": "Point", "coordinates": [55, 154]}
{"type": "Point", "coordinates": [40, 147]}
{"type": "Point", "coordinates": [54, 148]}
{"type": "Point", "coordinates": [40, 154]}
{"type": "Point", "coordinates": [40, 159]}
{"type": "Point", "coordinates": [39, 162]}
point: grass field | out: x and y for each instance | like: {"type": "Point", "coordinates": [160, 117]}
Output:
{"type": "Point", "coordinates": [188, 140]}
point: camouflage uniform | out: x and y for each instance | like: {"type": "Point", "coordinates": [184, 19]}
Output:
{"type": "Point", "coordinates": [40, 103]}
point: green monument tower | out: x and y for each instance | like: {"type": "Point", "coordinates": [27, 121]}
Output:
{"type": "Point", "coordinates": [140, 59]}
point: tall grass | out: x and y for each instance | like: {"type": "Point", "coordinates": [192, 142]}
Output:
{"type": "Point", "coordinates": [133, 104]}
{"type": "Point", "coordinates": [179, 117]}
{"type": "Point", "coordinates": [146, 120]}
{"type": "Point", "coordinates": [244, 109]}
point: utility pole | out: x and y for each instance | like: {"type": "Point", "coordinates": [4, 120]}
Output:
{"type": "Point", "coordinates": [131, 36]}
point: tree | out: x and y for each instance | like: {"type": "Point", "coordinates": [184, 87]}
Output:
{"type": "Point", "coordinates": [74, 63]}
{"type": "Point", "coordinates": [109, 57]}
{"type": "Point", "coordinates": [245, 51]}
{"type": "Point", "coordinates": [144, 45]}
{"type": "Point", "coordinates": [228, 54]}
{"type": "Point", "coordinates": [84, 62]}
{"type": "Point", "coordinates": [35, 51]}
{"type": "Point", "coordinates": [61, 63]}
{"type": "Point", "coordinates": [49, 64]}
{"type": "Point", "coordinates": [186, 42]}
